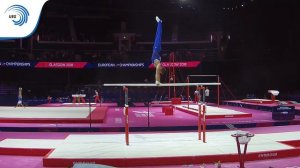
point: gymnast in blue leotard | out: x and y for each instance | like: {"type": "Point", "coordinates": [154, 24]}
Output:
{"type": "Point", "coordinates": [156, 59]}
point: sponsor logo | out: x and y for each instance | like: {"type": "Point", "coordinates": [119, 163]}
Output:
{"type": "Point", "coordinates": [78, 65]}
{"type": "Point", "coordinates": [121, 65]}
{"type": "Point", "coordinates": [284, 108]}
{"type": "Point", "coordinates": [19, 18]}
{"type": "Point", "coordinates": [18, 14]}
{"type": "Point", "coordinates": [266, 155]}
{"type": "Point", "coordinates": [15, 64]}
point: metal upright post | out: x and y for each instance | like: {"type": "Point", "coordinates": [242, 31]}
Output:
{"type": "Point", "coordinates": [199, 122]}
{"type": "Point", "coordinates": [188, 92]}
{"type": "Point", "coordinates": [218, 91]}
{"type": "Point", "coordinates": [126, 116]}
{"type": "Point", "coordinates": [174, 76]}
{"type": "Point", "coordinates": [204, 122]}
{"type": "Point", "coordinates": [90, 109]}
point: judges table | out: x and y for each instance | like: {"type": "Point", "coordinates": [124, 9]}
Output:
{"type": "Point", "coordinates": [78, 98]}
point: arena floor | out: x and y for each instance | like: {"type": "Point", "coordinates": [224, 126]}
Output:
{"type": "Point", "coordinates": [179, 147]}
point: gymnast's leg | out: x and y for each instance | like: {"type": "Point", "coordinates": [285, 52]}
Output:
{"type": "Point", "coordinates": [156, 59]}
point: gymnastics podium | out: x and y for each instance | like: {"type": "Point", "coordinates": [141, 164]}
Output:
{"type": "Point", "coordinates": [168, 110]}
{"type": "Point", "coordinates": [176, 100]}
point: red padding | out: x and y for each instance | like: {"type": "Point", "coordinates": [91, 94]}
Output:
{"type": "Point", "coordinates": [190, 111]}
{"type": "Point", "coordinates": [98, 116]}
{"type": "Point", "coordinates": [179, 160]}
{"type": "Point", "coordinates": [176, 100]}
{"type": "Point", "coordinates": [294, 143]}
{"type": "Point", "coordinates": [24, 151]}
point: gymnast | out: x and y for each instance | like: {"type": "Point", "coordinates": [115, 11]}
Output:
{"type": "Point", "coordinates": [156, 59]}
{"type": "Point", "coordinates": [197, 93]}
{"type": "Point", "coordinates": [97, 97]}
{"type": "Point", "coordinates": [20, 102]}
